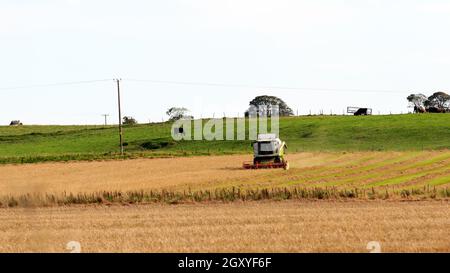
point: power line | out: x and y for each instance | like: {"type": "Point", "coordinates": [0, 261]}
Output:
{"type": "Point", "coordinates": [52, 84]}
{"type": "Point", "coordinates": [267, 86]}
{"type": "Point", "coordinates": [226, 85]}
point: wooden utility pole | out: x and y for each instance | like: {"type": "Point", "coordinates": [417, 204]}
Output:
{"type": "Point", "coordinates": [106, 121]}
{"type": "Point", "coordinates": [120, 116]}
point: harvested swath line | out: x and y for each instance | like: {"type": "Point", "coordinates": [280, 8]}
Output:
{"type": "Point", "coordinates": [340, 172]}
{"type": "Point", "coordinates": [439, 159]}
{"type": "Point", "coordinates": [346, 172]}
{"type": "Point", "coordinates": [404, 179]}
{"type": "Point", "coordinates": [391, 171]}
{"type": "Point", "coordinates": [330, 169]}
{"type": "Point", "coordinates": [439, 178]}
{"type": "Point", "coordinates": [367, 172]}
{"type": "Point", "coordinates": [439, 181]}
{"type": "Point", "coordinates": [393, 178]}
{"type": "Point", "coordinates": [409, 178]}
{"type": "Point", "coordinates": [424, 180]}
{"type": "Point", "coordinates": [355, 169]}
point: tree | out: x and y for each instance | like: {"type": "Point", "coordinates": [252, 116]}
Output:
{"type": "Point", "coordinates": [176, 113]}
{"type": "Point", "coordinates": [439, 100]}
{"type": "Point", "coordinates": [129, 121]}
{"type": "Point", "coordinates": [266, 103]}
{"type": "Point", "coordinates": [417, 100]}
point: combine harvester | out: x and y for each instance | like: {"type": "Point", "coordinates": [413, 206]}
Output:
{"type": "Point", "coordinates": [268, 153]}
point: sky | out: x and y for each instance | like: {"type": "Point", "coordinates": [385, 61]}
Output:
{"type": "Point", "coordinates": [317, 55]}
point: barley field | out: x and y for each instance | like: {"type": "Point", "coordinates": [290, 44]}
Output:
{"type": "Point", "coordinates": [344, 170]}
{"type": "Point", "coordinates": [286, 226]}
{"type": "Point", "coordinates": [109, 206]}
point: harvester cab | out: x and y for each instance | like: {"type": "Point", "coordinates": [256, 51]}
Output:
{"type": "Point", "coordinates": [268, 152]}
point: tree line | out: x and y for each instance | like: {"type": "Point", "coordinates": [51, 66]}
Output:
{"type": "Point", "coordinates": [439, 102]}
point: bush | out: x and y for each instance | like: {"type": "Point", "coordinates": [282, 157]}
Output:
{"type": "Point", "coordinates": [129, 121]}
{"type": "Point", "coordinates": [156, 144]}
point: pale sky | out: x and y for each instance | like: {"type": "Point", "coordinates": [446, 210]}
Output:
{"type": "Point", "coordinates": [400, 46]}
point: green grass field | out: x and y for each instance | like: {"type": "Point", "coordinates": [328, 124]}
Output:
{"type": "Point", "coordinates": [313, 133]}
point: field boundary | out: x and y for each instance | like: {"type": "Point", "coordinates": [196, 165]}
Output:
{"type": "Point", "coordinates": [220, 195]}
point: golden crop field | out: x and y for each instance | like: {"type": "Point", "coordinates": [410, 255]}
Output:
{"type": "Point", "coordinates": [301, 225]}
{"type": "Point", "coordinates": [285, 226]}
{"type": "Point", "coordinates": [344, 170]}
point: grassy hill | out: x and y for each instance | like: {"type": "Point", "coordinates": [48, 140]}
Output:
{"type": "Point", "coordinates": [314, 133]}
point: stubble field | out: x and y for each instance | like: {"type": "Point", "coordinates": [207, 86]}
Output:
{"type": "Point", "coordinates": [287, 226]}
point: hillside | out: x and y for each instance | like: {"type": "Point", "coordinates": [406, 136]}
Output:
{"type": "Point", "coordinates": [314, 133]}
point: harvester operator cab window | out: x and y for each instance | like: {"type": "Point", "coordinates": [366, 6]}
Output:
{"type": "Point", "coordinates": [265, 147]}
